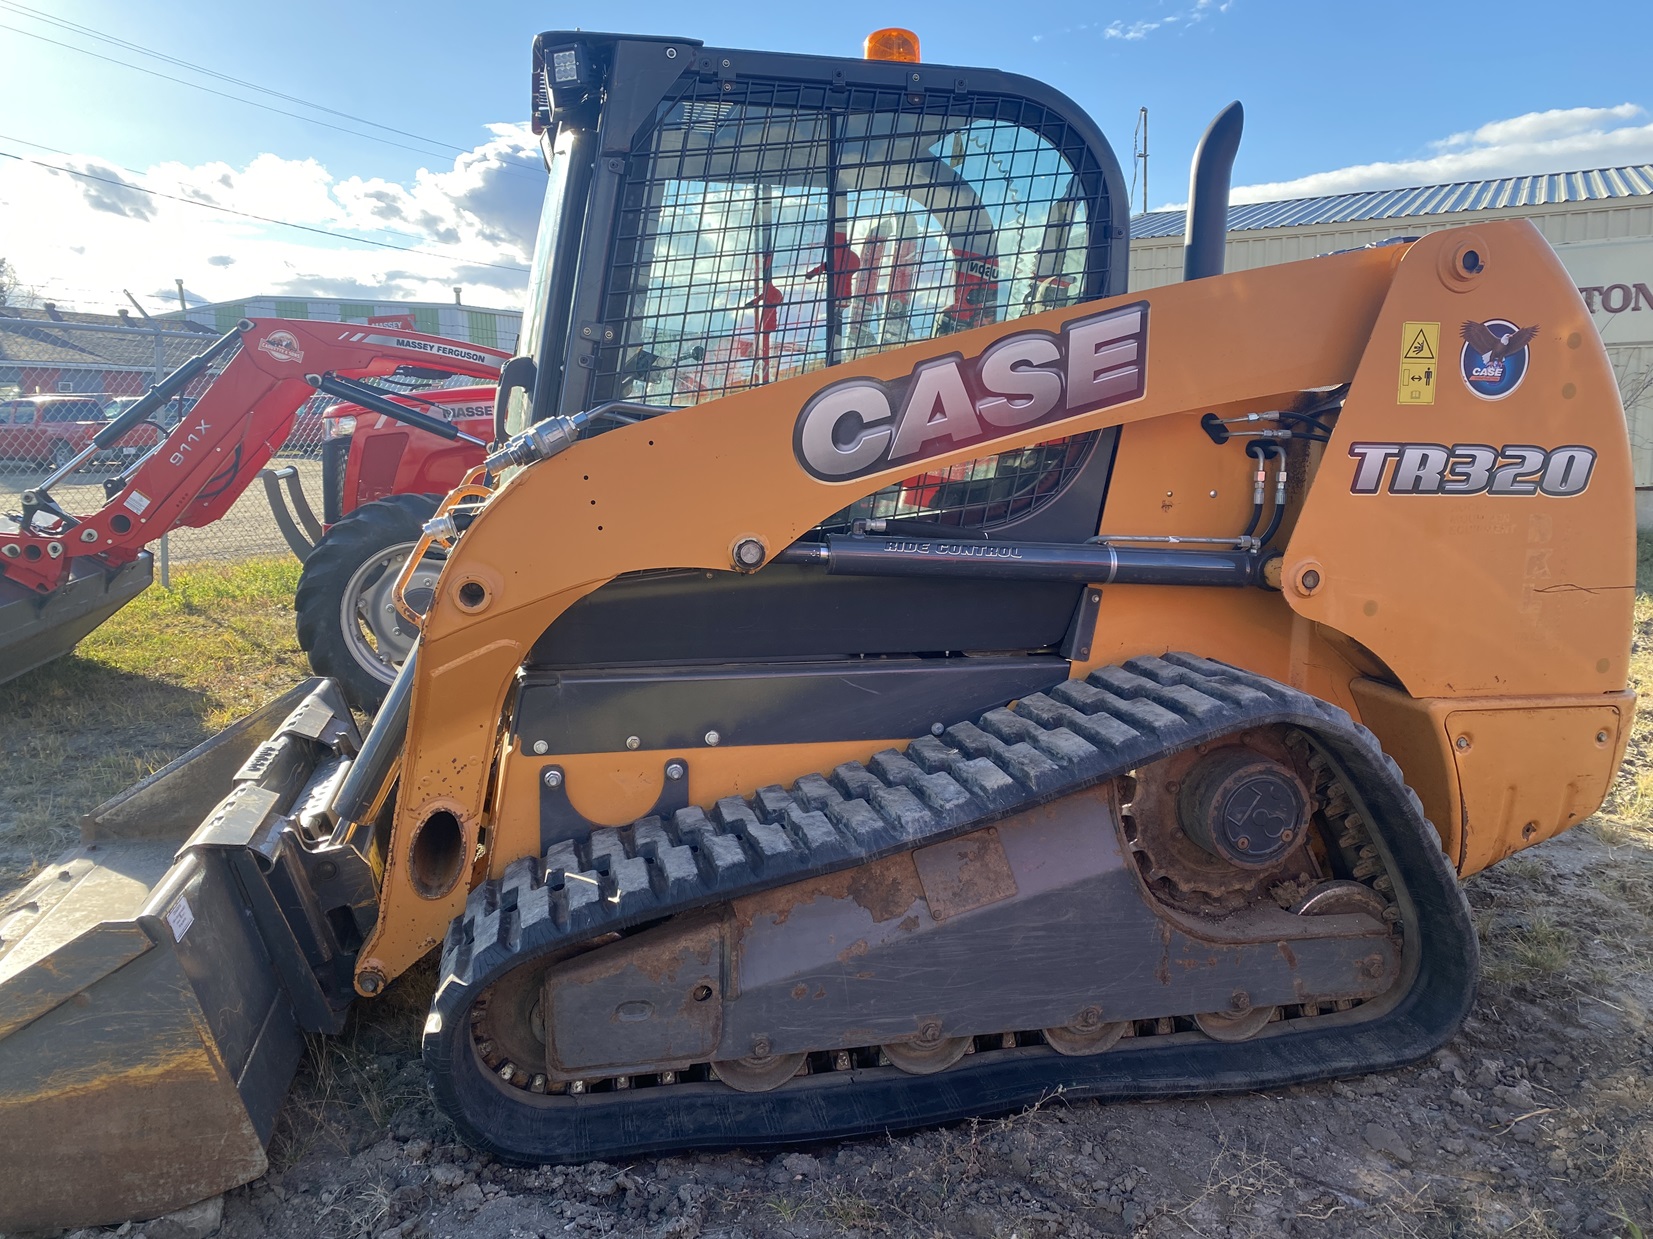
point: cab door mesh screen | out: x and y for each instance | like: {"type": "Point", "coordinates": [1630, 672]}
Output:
{"type": "Point", "coordinates": [776, 228]}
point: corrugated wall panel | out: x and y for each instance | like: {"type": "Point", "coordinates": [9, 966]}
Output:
{"type": "Point", "coordinates": [1157, 261]}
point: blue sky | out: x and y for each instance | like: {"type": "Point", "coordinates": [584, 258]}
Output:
{"type": "Point", "coordinates": [1439, 90]}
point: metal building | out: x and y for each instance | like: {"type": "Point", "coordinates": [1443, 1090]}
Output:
{"type": "Point", "coordinates": [1600, 223]}
{"type": "Point", "coordinates": [489, 327]}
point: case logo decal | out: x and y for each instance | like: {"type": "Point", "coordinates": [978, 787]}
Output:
{"type": "Point", "coordinates": [1494, 357]}
{"type": "Point", "coordinates": [1032, 378]}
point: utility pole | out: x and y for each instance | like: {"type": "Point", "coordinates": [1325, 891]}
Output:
{"type": "Point", "coordinates": [1142, 124]}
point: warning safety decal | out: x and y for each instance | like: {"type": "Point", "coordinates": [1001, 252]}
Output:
{"type": "Point", "coordinates": [1420, 371]}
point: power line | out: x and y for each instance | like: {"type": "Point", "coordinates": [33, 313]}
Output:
{"type": "Point", "coordinates": [41, 146]}
{"type": "Point", "coordinates": [253, 103]}
{"type": "Point", "coordinates": [167, 77]}
{"type": "Point", "coordinates": [264, 219]}
{"type": "Point", "coordinates": [88, 32]}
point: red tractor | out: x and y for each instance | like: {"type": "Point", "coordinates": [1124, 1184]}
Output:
{"type": "Point", "coordinates": [63, 571]}
{"type": "Point", "coordinates": [381, 480]}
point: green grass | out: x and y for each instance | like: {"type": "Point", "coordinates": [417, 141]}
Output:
{"type": "Point", "coordinates": [160, 676]}
{"type": "Point", "coordinates": [1539, 951]}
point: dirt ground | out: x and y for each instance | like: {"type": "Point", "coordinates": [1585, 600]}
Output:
{"type": "Point", "coordinates": [1536, 1121]}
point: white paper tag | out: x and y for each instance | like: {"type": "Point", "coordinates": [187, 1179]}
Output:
{"type": "Point", "coordinates": [137, 501]}
{"type": "Point", "coordinates": [180, 918]}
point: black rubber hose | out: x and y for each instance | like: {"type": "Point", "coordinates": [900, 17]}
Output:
{"type": "Point", "coordinates": [1259, 450]}
{"type": "Point", "coordinates": [1279, 512]}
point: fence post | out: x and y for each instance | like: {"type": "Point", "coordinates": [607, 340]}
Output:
{"type": "Point", "coordinates": [157, 375]}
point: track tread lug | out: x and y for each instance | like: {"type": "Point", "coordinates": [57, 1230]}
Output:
{"type": "Point", "coordinates": [931, 755]}
{"type": "Point", "coordinates": [946, 795]}
{"type": "Point", "coordinates": [673, 875]}
{"type": "Point", "coordinates": [855, 781]}
{"type": "Point", "coordinates": [1201, 679]}
{"type": "Point", "coordinates": [771, 844]}
{"type": "Point", "coordinates": [525, 894]}
{"type": "Point", "coordinates": [563, 857]}
{"type": "Point", "coordinates": [814, 832]}
{"type": "Point", "coordinates": [814, 792]}
{"type": "Point", "coordinates": [986, 782]}
{"type": "Point", "coordinates": [859, 820]}
{"type": "Point", "coordinates": [895, 768]}
{"type": "Point", "coordinates": [606, 848]}
{"type": "Point", "coordinates": [733, 813]}
{"type": "Point", "coordinates": [582, 896]}
{"type": "Point", "coordinates": [628, 887]}
{"type": "Point", "coordinates": [772, 802]}
{"type": "Point", "coordinates": [904, 811]}
{"type": "Point", "coordinates": [649, 835]}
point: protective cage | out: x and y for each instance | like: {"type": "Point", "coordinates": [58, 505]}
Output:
{"type": "Point", "coordinates": [766, 229]}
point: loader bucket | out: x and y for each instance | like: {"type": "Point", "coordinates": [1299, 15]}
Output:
{"type": "Point", "coordinates": [36, 629]}
{"type": "Point", "coordinates": [153, 994]}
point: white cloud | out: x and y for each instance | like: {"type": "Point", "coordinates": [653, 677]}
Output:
{"type": "Point", "coordinates": [1135, 31]}
{"type": "Point", "coordinates": [84, 238]}
{"type": "Point", "coordinates": [1541, 126]}
{"type": "Point", "coordinates": [1560, 140]}
{"type": "Point", "coordinates": [1132, 32]}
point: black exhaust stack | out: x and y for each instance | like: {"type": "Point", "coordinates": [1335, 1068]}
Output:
{"type": "Point", "coordinates": [1208, 180]}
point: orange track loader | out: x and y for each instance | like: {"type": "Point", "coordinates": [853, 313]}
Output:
{"type": "Point", "coordinates": [997, 682]}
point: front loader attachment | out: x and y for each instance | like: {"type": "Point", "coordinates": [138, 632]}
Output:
{"type": "Point", "coordinates": [35, 628]}
{"type": "Point", "coordinates": [155, 982]}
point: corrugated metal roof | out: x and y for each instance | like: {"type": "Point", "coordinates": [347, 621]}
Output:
{"type": "Point", "coordinates": [1505, 192]}
{"type": "Point", "coordinates": [31, 337]}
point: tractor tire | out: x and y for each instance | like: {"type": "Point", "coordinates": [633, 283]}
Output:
{"type": "Point", "coordinates": [347, 624]}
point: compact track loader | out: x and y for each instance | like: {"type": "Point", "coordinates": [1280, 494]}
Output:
{"type": "Point", "coordinates": [995, 683]}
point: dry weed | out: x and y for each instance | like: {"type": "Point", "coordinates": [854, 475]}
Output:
{"type": "Point", "coordinates": [1238, 1177]}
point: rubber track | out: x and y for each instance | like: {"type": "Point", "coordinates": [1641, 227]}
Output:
{"type": "Point", "coordinates": [1048, 745]}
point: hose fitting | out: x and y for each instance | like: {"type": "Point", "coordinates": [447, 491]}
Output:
{"type": "Point", "coordinates": [541, 441]}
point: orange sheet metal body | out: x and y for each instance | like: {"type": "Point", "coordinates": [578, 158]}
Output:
{"type": "Point", "coordinates": [1435, 583]}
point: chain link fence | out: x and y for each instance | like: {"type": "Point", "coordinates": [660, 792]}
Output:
{"type": "Point", "coordinates": [61, 381]}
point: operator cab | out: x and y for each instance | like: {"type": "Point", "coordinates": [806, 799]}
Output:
{"type": "Point", "coordinates": [717, 220]}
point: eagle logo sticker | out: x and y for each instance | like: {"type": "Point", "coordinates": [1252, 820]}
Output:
{"type": "Point", "coordinates": [1494, 360]}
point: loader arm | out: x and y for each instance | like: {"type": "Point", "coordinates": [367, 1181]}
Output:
{"type": "Point", "coordinates": [199, 470]}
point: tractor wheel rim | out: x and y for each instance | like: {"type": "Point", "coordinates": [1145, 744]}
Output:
{"type": "Point", "coordinates": [377, 636]}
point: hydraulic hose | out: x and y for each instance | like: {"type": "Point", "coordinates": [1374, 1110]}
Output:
{"type": "Point", "coordinates": [1279, 512]}
{"type": "Point", "coordinates": [1259, 450]}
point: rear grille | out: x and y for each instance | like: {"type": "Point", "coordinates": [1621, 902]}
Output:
{"type": "Point", "coordinates": [335, 454]}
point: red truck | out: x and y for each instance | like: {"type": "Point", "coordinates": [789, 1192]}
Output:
{"type": "Point", "coordinates": [52, 429]}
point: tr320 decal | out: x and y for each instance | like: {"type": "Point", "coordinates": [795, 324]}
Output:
{"type": "Point", "coordinates": [1471, 469]}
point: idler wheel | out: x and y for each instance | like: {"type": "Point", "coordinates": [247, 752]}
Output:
{"type": "Point", "coordinates": [1088, 1034]}
{"type": "Point", "coordinates": [927, 1055]}
{"type": "Point", "coordinates": [1234, 1026]}
{"type": "Point", "coordinates": [755, 1074]}
{"type": "Point", "coordinates": [1244, 808]}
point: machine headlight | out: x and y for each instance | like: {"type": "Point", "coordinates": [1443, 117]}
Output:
{"type": "Point", "coordinates": [338, 427]}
